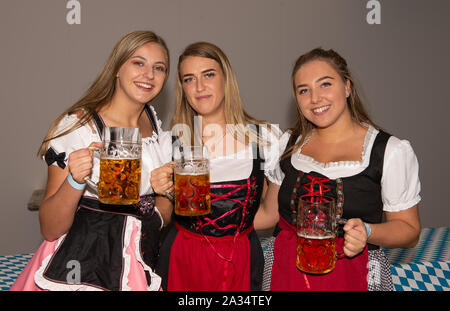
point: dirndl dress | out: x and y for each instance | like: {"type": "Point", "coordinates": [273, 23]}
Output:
{"type": "Point", "coordinates": [357, 196]}
{"type": "Point", "coordinates": [219, 251]}
{"type": "Point", "coordinates": [108, 247]}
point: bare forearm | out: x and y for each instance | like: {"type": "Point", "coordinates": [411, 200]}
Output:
{"type": "Point", "coordinates": [265, 219]}
{"type": "Point", "coordinates": [394, 233]}
{"type": "Point", "coordinates": [267, 215]}
{"type": "Point", "coordinates": [57, 211]}
{"type": "Point", "coordinates": [165, 207]}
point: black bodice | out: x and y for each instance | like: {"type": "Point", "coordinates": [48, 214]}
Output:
{"type": "Point", "coordinates": [357, 196]}
{"type": "Point", "coordinates": [233, 205]}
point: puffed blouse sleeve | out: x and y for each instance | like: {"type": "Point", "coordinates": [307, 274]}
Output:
{"type": "Point", "coordinates": [59, 148]}
{"type": "Point", "coordinates": [400, 184]}
{"type": "Point", "coordinates": [272, 153]}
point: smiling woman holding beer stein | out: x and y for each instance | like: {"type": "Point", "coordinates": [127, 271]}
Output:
{"type": "Point", "coordinates": [336, 151]}
{"type": "Point", "coordinates": [91, 245]}
{"type": "Point", "coordinates": [219, 250]}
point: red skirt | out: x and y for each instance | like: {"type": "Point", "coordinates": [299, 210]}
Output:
{"type": "Point", "coordinates": [199, 262]}
{"type": "Point", "coordinates": [349, 274]}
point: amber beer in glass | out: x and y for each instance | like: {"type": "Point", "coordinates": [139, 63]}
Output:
{"type": "Point", "coordinates": [316, 234]}
{"type": "Point", "coordinates": [316, 254]}
{"type": "Point", "coordinates": [192, 186]}
{"type": "Point", "coordinates": [120, 166]}
{"type": "Point", "coordinates": [119, 181]}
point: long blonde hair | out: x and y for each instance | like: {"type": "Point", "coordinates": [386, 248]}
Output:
{"type": "Point", "coordinates": [302, 126]}
{"type": "Point", "coordinates": [234, 110]}
{"type": "Point", "coordinates": [102, 89]}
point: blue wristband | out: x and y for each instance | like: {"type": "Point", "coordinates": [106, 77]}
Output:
{"type": "Point", "coordinates": [74, 184]}
{"type": "Point", "coordinates": [368, 229]}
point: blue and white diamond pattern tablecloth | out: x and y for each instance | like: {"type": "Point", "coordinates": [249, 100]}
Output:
{"type": "Point", "coordinates": [425, 267]}
{"type": "Point", "coordinates": [433, 245]}
{"type": "Point", "coordinates": [421, 276]}
{"type": "Point", "coordinates": [10, 269]}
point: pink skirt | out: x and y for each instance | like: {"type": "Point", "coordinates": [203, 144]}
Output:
{"type": "Point", "coordinates": [133, 276]}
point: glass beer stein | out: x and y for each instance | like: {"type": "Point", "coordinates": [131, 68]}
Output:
{"type": "Point", "coordinates": [120, 166]}
{"type": "Point", "coordinates": [316, 234]}
{"type": "Point", "coordinates": [192, 187]}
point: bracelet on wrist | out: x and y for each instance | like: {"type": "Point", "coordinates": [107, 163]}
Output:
{"type": "Point", "coordinates": [368, 229]}
{"type": "Point", "coordinates": [75, 184]}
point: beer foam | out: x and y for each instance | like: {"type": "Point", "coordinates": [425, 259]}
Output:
{"type": "Point", "coordinates": [194, 173]}
{"type": "Point", "coordinates": [118, 159]}
{"type": "Point", "coordinates": [316, 235]}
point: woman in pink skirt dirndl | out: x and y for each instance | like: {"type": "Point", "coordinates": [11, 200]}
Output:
{"type": "Point", "coordinates": [90, 245]}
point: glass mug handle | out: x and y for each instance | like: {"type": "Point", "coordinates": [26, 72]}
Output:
{"type": "Point", "coordinates": [91, 184]}
{"type": "Point", "coordinates": [340, 254]}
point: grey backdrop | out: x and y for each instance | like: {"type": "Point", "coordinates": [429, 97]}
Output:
{"type": "Point", "coordinates": [402, 66]}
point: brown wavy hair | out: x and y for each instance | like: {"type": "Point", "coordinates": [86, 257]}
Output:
{"type": "Point", "coordinates": [358, 113]}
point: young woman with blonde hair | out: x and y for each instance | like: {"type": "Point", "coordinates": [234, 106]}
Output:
{"type": "Point", "coordinates": [218, 251]}
{"type": "Point", "coordinates": [89, 245]}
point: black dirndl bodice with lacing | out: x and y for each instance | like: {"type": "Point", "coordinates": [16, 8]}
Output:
{"type": "Point", "coordinates": [233, 205]}
{"type": "Point", "coordinates": [357, 196]}
{"type": "Point", "coordinates": [233, 208]}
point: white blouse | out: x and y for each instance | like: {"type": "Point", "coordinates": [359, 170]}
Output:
{"type": "Point", "coordinates": [154, 149]}
{"type": "Point", "coordinates": [400, 184]}
{"type": "Point", "coordinates": [239, 165]}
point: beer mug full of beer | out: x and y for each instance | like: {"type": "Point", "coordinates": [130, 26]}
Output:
{"type": "Point", "coordinates": [120, 166]}
{"type": "Point", "coordinates": [191, 174]}
{"type": "Point", "coordinates": [316, 234]}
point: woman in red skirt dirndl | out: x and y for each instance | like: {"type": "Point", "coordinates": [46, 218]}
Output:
{"type": "Point", "coordinates": [218, 251]}
{"type": "Point", "coordinates": [336, 150]}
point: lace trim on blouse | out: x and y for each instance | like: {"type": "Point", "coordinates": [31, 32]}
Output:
{"type": "Point", "coordinates": [367, 147]}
